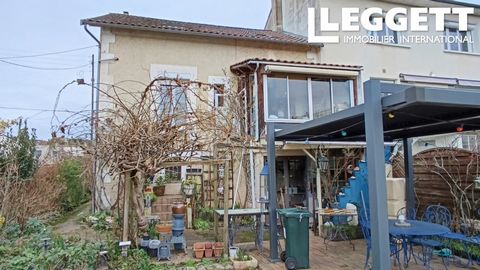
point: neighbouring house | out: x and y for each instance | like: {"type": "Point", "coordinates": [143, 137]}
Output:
{"type": "Point", "coordinates": [286, 80]}
{"type": "Point", "coordinates": [436, 64]}
{"type": "Point", "coordinates": [49, 152]}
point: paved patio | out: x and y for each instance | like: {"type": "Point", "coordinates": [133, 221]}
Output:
{"type": "Point", "coordinates": [339, 256]}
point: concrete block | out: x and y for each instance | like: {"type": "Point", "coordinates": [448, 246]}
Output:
{"type": "Point", "coordinates": [393, 207]}
{"type": "Point", "coordinates": [396, 189]}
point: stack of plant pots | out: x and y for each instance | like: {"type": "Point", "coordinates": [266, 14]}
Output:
{"type": "Point", "coordinates": [178, 229]}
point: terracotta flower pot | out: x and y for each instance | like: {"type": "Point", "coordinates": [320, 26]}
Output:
{"type": "Point", "coordinates": [199, 250]}
{"type": "Point", "coordinates": [163, 228]}
{"type": "Point", "coordinates": [159, 190]}
{"type": "Point", "coordinates": [208, 252]}
{"type": "Point", "coordinates": [218, 249]}
{"type": "Point", "coordinates": [217, 252]}
{"type": "Point", "coordinates": [208, 245]}
{"type": "Point", "coordinates": [178, 208]}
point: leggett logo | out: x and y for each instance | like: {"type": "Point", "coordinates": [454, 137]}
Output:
{"type": "Point", "coordinates": [397, 19]}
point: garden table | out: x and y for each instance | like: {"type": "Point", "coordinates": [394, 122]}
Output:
{"type": "Point", "coordinates": [417, 228]}
{"type": "Point", "coordinates": [337, 231]}
{"type": "Point", "coordinates": [232, 213]}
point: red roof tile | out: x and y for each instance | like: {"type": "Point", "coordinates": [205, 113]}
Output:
{"type": "Point", "coordinates": [152, 24]}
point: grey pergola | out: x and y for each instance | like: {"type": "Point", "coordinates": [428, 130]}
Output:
{"type": "Point", "coordinates": [390, 112]}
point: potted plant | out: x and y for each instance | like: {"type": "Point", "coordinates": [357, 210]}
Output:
{"type": "Point", "coordinates": [159, 188]}
{"type": "Point", "coordinates": [244, 261]}
{"type": "Point", "coordinates": [188, 186]}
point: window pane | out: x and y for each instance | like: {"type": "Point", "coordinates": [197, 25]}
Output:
{"type": "Point", "coordinates": [180, 100]}
{"type": "Point", "coordinates": [321, 98]}
{"type": "Point", "coordinates": [277, 98]}
{"type": "Point", "coordinates": [341, 95]}
{"type": "Point", "coordinates": [463, 44]}
{"type": "Point", "coordinates": [452, 32]}
{"type": "Point", "coordinates": [298, 98]}
{"type": "Point", "coordinates": [219, 95]}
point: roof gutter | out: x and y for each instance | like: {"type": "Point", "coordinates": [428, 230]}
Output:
{"type": "Point", "coordinates": [335, 143]}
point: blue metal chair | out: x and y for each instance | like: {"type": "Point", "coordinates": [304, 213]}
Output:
{"type": "Point", "coordinates": [364, 224]}
{"type": "Point", "coordinates": [441, 215]}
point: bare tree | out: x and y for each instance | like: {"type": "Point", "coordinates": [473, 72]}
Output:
{"type": "Point", "coordinates": [138, 129]}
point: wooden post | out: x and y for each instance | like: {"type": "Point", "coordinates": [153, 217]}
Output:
{"type": "Point", "coordinates": [318, 191]}
{"type": "Point", "coordinates": [126, 199]}
{"type": "Point", "coordinates": [319, 200]}
{"type": "Point", "coordinates": [225, 207]}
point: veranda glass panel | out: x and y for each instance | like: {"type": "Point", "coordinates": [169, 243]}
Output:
{"type": "Point", "coordinates": [277, 98]}
{"type": "Point", "coordinates": [298, 88]}
{"type": "Point", "coordinates": [341, 94]}
{"type": "Point", "coordinates": [321, 98]}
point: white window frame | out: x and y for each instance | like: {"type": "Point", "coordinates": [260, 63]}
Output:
{"type": "Point", "coordinates": [310, 100]}
{"type": "Point", "coordinates": [213, 96]}
{"type": "Point", "coordinates": [469, 32]}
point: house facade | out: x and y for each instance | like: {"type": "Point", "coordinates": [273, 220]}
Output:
{"type": "Point", "coordinates": [285, 80]}
{"type": "Point", "coordinates": [145, 48]}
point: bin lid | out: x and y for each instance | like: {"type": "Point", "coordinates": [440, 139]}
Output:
{"type": "Point", "coordinates": [294, 212]}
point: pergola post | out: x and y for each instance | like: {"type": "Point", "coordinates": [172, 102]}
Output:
{"type": "Point", "coordinates": [409, 180]}
{"type": "Point", "coordinates": [377, 189]}
{"type": "Point", "coordinates": [272, 192]}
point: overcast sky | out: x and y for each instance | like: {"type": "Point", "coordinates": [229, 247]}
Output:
{"type": "Point", "coordinates": [35, 27]}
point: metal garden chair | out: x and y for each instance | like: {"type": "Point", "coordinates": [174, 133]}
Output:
{"type": "Point", "coordinates": [441, 215]}
{"type": "Point", "coordinates": [394, 251]}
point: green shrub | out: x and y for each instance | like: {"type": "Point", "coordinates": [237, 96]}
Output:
{"type": "Point", "coordinates": [202, 225]}
{"type": "Point", "coordinates": [70, 174]}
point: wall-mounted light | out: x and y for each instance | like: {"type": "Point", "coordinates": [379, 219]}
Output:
{"type": "Point", "coordinates": [322, 163]}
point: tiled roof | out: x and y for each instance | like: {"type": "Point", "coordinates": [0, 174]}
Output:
{"type": "Point", "coordinates": [289, 62]}
{"type": "Point", "coordinates": [159, 25]}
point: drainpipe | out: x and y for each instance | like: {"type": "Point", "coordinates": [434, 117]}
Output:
{"type": "Point", "coordinates": [252, 159]}
{"type": "Point", "coordinates": [97, 99]}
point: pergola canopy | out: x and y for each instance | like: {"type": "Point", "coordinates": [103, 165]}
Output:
{"type": "Point", "coordinates": [407, 112]}
{"type": "Point", "coordinates": [391, 111]}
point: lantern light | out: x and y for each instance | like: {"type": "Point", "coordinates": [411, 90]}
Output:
{"type": "Point", "coordinates": [322, 163]}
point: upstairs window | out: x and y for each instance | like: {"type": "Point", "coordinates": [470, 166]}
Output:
{"type": "Point", "coordinates": [172, 97]}
{"type": "Point", "coordinates": [457, 40]}
{"type": "Point", "coordinates": [386, 35]}
{"type": "Point", "coordinates": [297, 99]}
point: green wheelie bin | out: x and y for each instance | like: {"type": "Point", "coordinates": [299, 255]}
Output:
{"type": "Point", "coordinates": [295, 223]}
